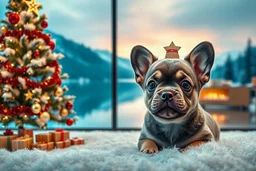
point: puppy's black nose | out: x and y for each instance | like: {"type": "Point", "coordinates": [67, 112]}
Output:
{"type": "Point", "coordinates": [166, 96]}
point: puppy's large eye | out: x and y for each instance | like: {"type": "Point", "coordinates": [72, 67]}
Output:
{"type": "Point", "coordinates": [151, 85]}
{"type": "Point", "coordinates": [186, 85]}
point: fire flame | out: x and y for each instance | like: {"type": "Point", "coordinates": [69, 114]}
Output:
{"type": "Point", "coordinates": [215, 96]}
{"type": "Point", "coordinates": [220, 118]}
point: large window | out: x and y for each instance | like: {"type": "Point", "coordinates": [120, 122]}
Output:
{"type": "Point", "coordinates": [97, 36]}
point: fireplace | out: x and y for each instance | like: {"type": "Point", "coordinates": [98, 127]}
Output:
{"type": "Point", "coordinates": [215, 94]}
{"type": "Point", "coordinates": [229, 96]}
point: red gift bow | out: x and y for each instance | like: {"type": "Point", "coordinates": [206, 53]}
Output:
{"type": "Point", "coordinates": [62, 133]}
{"type": "Point", "coordinates": [64, 144]}
{"type": "Point", "coordinates": [59, 130]}
{"type": "Point", "coordinates": [8, 132]}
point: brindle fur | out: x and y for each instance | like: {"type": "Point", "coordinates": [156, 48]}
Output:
{"type": "Point", "coordinates": [195, 124]}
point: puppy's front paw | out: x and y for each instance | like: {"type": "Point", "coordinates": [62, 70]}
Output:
{"type": "Point", "coordinates": [149, 150]}
{"type": "Point", "coordinates": [193, 144]}
{"type": "Point", "coordinates": [149, 146]}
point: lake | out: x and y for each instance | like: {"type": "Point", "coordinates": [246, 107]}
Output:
{"type": "Point", "coordinates": [93, 106]}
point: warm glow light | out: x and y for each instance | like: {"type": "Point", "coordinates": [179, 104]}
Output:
{"type": "Point", "coordinates": [214, 94]}
{"type": "Point", "coordinates": [215, 117]}
{"type": "Point", "coordinates": [220, 118]}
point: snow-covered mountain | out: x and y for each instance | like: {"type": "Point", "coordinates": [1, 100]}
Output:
{"type": "Point", "coordinates": [123, 65]}
{"type": "Point", "coordinates": [81, 61]}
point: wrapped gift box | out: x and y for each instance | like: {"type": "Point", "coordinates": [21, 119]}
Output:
{"type": "Point", "coordinates": [6, 140]}
{"type": "Point", "coordinates": [44, 146]}
{"type": "Point", "coordinates": [63, 144]}
{"type": "Point", "coordinates": [77, 141]}
{"type": "Point", "coordinates": [22, 143]}
{"type": "Point", "coordinates": [22, 132]}
{"type": "Point", "coordinates": [46, 138]}
{"type": "Point", "coordinates": [60, 135]}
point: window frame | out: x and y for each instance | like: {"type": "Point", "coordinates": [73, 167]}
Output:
{"type": "Point", "coordinates": [114, 127]}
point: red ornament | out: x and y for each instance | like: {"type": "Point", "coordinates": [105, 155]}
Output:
{"type": "Point", "coordinates": [13, 18]}
{"type": "Point", "coordinates": [36, 54]}
{"type": "Point", "coordinates": [69, 122]}
{"type": "Point", "coordinates": [52, 45]}
{"type": "Point", "coordinates": [44, 24]}
{"type": "Point", "coordinates": [69, 105]}
{"type": "Point", "coordinates": [7, 14]}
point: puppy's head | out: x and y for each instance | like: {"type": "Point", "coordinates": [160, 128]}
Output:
{"type": "Point", "coordinates": [171, 86]}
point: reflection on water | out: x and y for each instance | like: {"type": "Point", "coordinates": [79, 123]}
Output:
{"type": "Point", "coordinates": [94, 105]}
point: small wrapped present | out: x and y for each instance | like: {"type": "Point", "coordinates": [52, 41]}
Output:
{"type": "Point", "coordinates": [22, 143]}
{"type": "Point", "coordinates": [63, 144]}
{"type": "Point", "coordinates": [6, 140]}
{"type": "Point", "coordinates": [44, 146]}
{"type": "Point", "coordinates": [77, 141]}
{"type": "Point", "coordinates": [46, 138]}
{"type": "Point", "coordinates": [22, 132]}
{"type": "Point", "coordinates": [60, 135]}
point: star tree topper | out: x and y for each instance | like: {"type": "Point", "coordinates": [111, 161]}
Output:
{"type": "Point", "coordinates": [33, 6]}
{"type": "Point", "coordinates": [172, 51]}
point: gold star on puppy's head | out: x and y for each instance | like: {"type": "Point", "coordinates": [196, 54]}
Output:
{"type": "Point", "coordinates": [172, 51]}
{"type": "Point", "coordinates": [33, 6]}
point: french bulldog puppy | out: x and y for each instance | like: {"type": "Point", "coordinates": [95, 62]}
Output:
{"type": "Point", "coordinates": [171, 89]}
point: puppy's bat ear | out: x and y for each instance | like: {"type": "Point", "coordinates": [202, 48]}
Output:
{"type": "Point", "coordinates": [201, 58]}
{"type": "Point", "coordinates": [141, 59]}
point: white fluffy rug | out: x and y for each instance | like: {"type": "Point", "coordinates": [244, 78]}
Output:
{"type": "Point", "coordinates": [118, 151]}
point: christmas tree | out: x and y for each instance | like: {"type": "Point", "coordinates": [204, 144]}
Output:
{"type": "Point", "coordinates": [30, 78]}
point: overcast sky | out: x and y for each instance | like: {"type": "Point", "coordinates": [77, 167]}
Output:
{"type": "Point", "coordinates": [154, 24]}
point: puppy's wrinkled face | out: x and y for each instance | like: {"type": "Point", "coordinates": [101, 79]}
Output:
{"type": "Point", "coordinates": [171, 89]}
{"type": "Point", "coordinates": [171, 86]}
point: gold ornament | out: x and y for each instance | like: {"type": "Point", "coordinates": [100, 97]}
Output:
{"type": "Point", "coordinates": [45, 117]}
{"type": "Point", "coordinates": [2, 47]}
{"type": "Point", "coordinates": [13, 4]}
{"type": "Point", "coordinates": [25, 118]}
{"type": "Point", "coordinates": [33, 6]}
{"type": "Point", "coordinates": [3, 30]}
{"type": "Point", "coordinates": [46, 96]}
{"type": "Point", "coordinates": [5, 118]}
{"type": "Point", "coordinates": [172, 51]}
{"type": "Point", "coordinates": [36, 108]}
{"type": "Point", "coordinates": [59, 92]}
{"type": "Point", "coordinates": [40, 46]}
{"type": "Point", "coordinates": [64, 113]}
{"type": "Point", "coordinates": [29, 95]}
